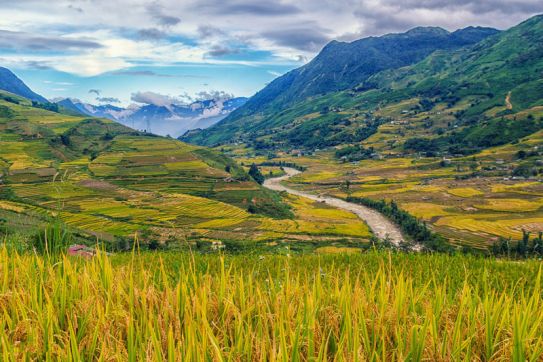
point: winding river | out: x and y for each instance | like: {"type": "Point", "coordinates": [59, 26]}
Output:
{"type": "Point", "coordinates": [379, 224]}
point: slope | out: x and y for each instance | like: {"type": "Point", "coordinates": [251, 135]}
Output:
{"type": "Point", "coordinates": [10, 83]}
{"type": "Point", "coordinates": [337, 67]}
{"type": "Point", "coordinates": [105, 179]}
{"type": "Point", "coordinates": [455, 98]}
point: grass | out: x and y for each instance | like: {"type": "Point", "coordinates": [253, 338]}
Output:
{"type": "Point", "coordinates": [356, 307]}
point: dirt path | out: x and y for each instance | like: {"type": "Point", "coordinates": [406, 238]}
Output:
{"type": "Point", "coordinates": [379, 224]}
{"type": "Point", "coordinates": [508, 103]}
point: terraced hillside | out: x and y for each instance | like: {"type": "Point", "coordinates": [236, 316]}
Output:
{"type": "Point", "coordinates": [106, 180]}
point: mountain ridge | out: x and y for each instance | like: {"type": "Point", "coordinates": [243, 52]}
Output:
{"type": "Point", "coordinates": [473, 80]}
{"type": "Point", "coordinates": [340, 66]}
{"type": "Point", "coordinates": [11, 83]}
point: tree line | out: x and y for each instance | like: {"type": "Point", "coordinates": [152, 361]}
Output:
{"type": "Point", "coordinates": [410, 225]}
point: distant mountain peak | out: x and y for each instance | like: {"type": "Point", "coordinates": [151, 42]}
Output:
{"type": "Point", "coordinates": [424, 30]}
{"type": "Point", "coordinates": [172, 119]}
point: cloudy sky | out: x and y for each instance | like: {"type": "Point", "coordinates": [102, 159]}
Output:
{"type": "Point", "coordinates": [118, 50]}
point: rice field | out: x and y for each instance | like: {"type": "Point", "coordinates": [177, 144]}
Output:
{"type": "Point", "coordinates": [104, 180]}
{"type": "Point", "coordinates": [513, 205]}
{"type": "Point", "coordinates": [348, 307]}
{"type": "Point", "coordinates": [472, 211]}
{"type": "Point", "coordinates": [465, 192]}
{"type": "Point", "coordinates": [314, 219]}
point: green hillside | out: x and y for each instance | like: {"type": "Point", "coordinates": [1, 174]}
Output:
{"type": "Point", "coordinates": [491, 90]}
{"type": "Point", "coordinates": [108, 180]}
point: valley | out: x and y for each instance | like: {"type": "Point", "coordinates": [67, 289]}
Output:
{"type": "Point", "coordinates": [379, 198]}
{"type": "Point", "coordinates": [109, 183]}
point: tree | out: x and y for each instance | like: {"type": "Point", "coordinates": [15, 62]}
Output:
{"type": "Point", "coordinates": [255, 173]}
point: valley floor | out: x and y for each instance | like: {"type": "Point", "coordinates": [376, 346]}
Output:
{"type": "Point", "coordinates": [468, 206]}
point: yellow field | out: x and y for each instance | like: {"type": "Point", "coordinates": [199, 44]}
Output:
{"type": "Point", "coordinates": [465, 192]}
{"type": "Point", "coordinates": [314, 218]}
{"type": "Point", "coordinates": [511, 205]}
{"type": "Point", "coordinates": [350, 307]}
{"type": "Point", "coordinates": [425, 210]}
{"type": "Point", "coordinates": [504, 227]}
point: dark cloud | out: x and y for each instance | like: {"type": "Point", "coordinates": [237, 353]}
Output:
{"type": "Point", "coordinates": [220, 51]}
{"type": "Point", "coordinates": [398, 16]}
{"type": "Point", "coordinates": [151, 34]}
{"type": "Point", "coordinates": [95, 91]}
{"type": "Point", "coordinates": [26, 41]}
{"type": "Point", "coordinates": [75, 8]}
{"type": "Point", "coordinates": [157, 11]}
{"type": "Point", "coordinates": [473, 6]}
{"type": "Point", "coordinates": [208, 31]}
{"type": "Point", "coordinates": [247, 7]}
{"type": "Point", "coordinates": [39, 65]}
{"type": "Point", "coordinates": [301, 38]}
{"type": "Point", "coordinates": [108, 100]}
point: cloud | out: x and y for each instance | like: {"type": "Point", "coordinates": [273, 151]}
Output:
{"type": "Point", "coordinates": [33, 64]}
{"type": "Point", "coordinates": [275, 74]}
{"type": "Point", "coordinates": [248, 7]}
{"type": "Point", "coordinates": [156, 10]}
{"type": "Point", "coordinates": [25, 41]}
{"type": "Point", "coordinates": [151, 34]}
{"type": "Point", "coordinates": [150, 73]}
{"type": "Point", "coordinates": [307, 38]}
{"type": "Point", "coordinates": [58, 83]}
{"type": "Point", "coordinates": [208, 31]}
{"type": "Point", "coordinates": [154, 98]}
{"type": "Point", "coordinates": [75, 8]}
{"type": "Point", "coordinates": [220, 51]}
{"type": "Point", "coordinates": [95, 91]}
{"type": "Point", "coordinates": [90, 37]}
{"type": "Point", "coordinates": [213, 95]}
{"type": "Point", "coordinates": [108, 100]}
{"type": "Point", "coordinates": [142, 73]}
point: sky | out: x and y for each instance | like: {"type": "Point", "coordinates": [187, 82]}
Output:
{"type": "Point", "coordinates": [126, 51]}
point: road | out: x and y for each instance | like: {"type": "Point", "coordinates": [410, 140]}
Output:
{"type": "Point", "coordinates": [379, 224]}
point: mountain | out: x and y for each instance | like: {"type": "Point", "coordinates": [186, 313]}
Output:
{"type": "Point", "coordinates": [341, 66]}
{"type": "Point", "coordinates": [454, 101]}
{"type": "Point", "coordinates": [10, 83]}
{"type": "Point", "coordinates": [171, 119]}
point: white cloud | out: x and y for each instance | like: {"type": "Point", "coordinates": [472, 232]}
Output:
{"type": "Point", "coordinates": [154, 98]}
{"type": "Point", "coordinates": [200, 31]}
